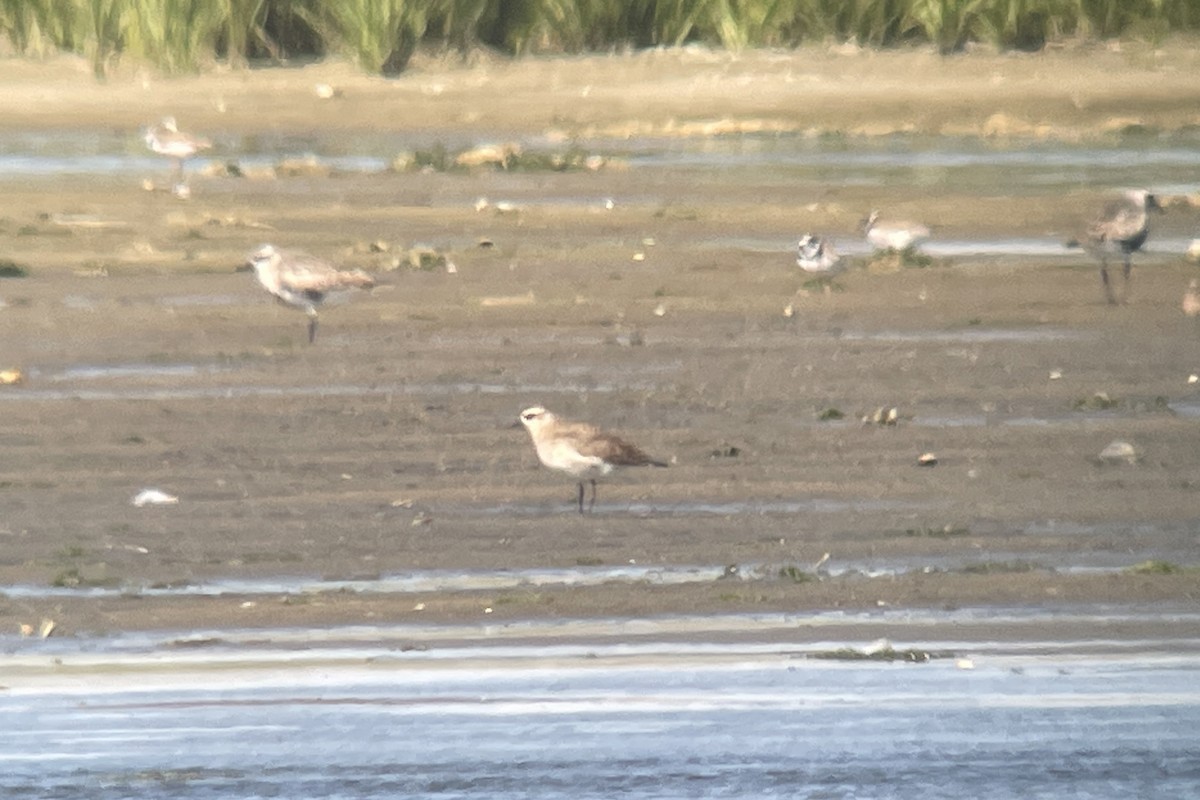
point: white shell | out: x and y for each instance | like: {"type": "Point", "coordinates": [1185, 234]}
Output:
{"type": "Point", "coordinates": [1118, 452]}
{"type": "Point", "coordinates": [153, 497]}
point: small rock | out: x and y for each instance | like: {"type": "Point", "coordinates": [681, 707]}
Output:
{"type": "Point", "coordinates": [495, 155]}
{"type": "Point", "coordinates": [884, 416]}
{"type": "Point", "coordinates": [1119, 452]}
{"type": "Point", "coordinates": [307, 167]}
{"type": "Point", "coordinates": [927, 460]}
{"type": "Point", "coordinates": [11, 377]}
{"type": "Point", "coordinates": [1193, 251]}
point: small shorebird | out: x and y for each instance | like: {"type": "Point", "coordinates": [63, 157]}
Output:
{"type": "Point", "coordinates": [1191, 299]}
{"type": "Point", "coordinates": [1122, 227]}
{"type": "Point", "coordinates": [895, 236]}
{"type": "Point", "coordinates": [303, 281]}
{"type": "Point", "coordinates": [166, 139]}
{"type": "Point", "coordinates": [816, 255]}
{"type": "Point", "coordinates": [580, 450]}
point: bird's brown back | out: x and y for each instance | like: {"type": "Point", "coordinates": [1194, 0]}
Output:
{"type": "Point", "coordinates": [590, 441]}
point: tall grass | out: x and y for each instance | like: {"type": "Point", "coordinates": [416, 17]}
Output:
{"type": "Point", "coordinates": [381, 35]}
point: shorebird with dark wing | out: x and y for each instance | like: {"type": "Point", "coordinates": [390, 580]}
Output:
{"type": "Point", "coordinates": [1121, 229]}
{"type": "Point", "coordinates": [816, 255]}
{"type": "Point", "coordinates": [302, 281]}
{"type": "Point", "coordinates": [166, 139]}
{"type": "Point", "coordinates": [580, 450]}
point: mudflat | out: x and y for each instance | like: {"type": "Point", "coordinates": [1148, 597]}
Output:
{"type": "Point", "coordinates": [663, 304]}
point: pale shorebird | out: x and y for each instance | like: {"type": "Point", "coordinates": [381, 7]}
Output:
{"type": "Point", "coordinates": [1191, 299]}
{"type": "Point", "coordinates": [895, 236]}
{"type": "Point", "coordinates": [816, 255]}
{"type": "Point", "coordinates": [1121, 228]}
{"type": "Point", "coordinates": [303, 281]}
{"type": "Point", "coordinates": [582, 451]}
{"type": "Point", "coordinates": [166, 139]}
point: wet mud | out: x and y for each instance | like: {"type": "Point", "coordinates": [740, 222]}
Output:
{"type": "Point", "coordinates": [658, 299]}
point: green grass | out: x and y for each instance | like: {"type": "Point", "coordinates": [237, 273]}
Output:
{"type": "Point", "coordinates": [381, 35]}
{"type": "Point", "coordinates": [796, 574]}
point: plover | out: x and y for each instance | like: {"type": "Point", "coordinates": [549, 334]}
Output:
{"type": "Point", "coordinates": [1123, 228]}
{"type": "Point", "coordinates": [816, 255]}
{"type": "Point", "coordinates": [166, 139]}
{"type": "Point", "coordinates": [896, 236]}
{"type": "Point", "coordinates": [1191, 299]}
{"type": "Point", "coordinates": [580, 450]}
{"type": "Point", "coordinates": [303, 281]}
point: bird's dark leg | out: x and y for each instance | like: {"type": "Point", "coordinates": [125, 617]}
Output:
{"type": "Point", "coordinates": [177, 174]}
{"type": "Point", "coordinates": [1108, 292]}
{"type": "Point", "coordinates": [1125, 275]}
{"type": "Point", "coordinates": [592, 504]}
{"type": "Point", "coordinates": [581, 497]}
{"type": "Point", "coordinates": [312, 328]}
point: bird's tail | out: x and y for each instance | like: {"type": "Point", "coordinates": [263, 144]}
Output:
{"type": "Point", "coordinates": [356, 278]}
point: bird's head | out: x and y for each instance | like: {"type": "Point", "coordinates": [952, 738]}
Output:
{"type": "Point", "coordinates": [1145, 199]}
{"type": "Point", "coordinates": [536, 417]}
{"type": "Point", "coordinates": [259, 259]}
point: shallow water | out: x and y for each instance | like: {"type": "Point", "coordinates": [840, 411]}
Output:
{"type": "Point", "coordinates": [365, 717]}
{"type": "Point", "coordinates": [427, 581]}
{"type": "Point", "coordinates": [1011, 167]}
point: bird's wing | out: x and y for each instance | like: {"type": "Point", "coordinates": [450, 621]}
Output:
{"type": "Point", "coordinates": [1120, 220]}
{"type": "Point", "coordinates": [301, 272]}
{"type": "Point", "coordinates": [613, 449]}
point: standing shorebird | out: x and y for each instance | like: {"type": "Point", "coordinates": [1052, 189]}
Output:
{"type": "Point", "coordinates": [1122, 227]}
{"type": "Point", "coordinates": [816, 255]}
{"type": "Point", "coordinates": [895, 236]}
{"type": "Point", "coordinates": [303, 281]}
{"type": "Point", "coordinates": [166, 139]}
{"type": "Point", "coordinates": [1191, 299]}
{"type": "Point", "coordinates": [580, 450]}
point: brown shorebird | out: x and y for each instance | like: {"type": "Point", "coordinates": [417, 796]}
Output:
{"type": "Point", "coordinates": [166, 139]}
{"type": "Point", "coordinates": [894, 236]}
{"type": "Point", "coordinates": [1191, 299]}
{"type": "Point", "coordinates": [303, 281]}
{"type": "Point", "coordinates": [816, 255]}
{"type": "Point", "coordinates": [580, 450]}
{"type": "Point", "coordinates": [1121, 228]}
